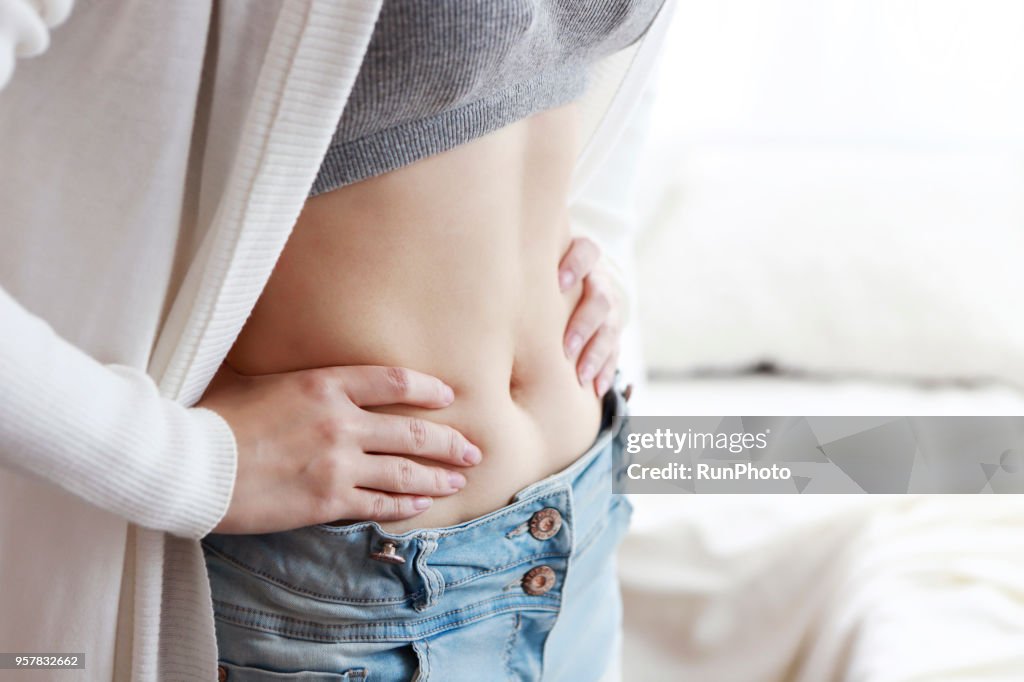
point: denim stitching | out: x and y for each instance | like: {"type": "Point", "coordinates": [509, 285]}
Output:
{"type": "Point", "coordinates": [350, 674]}
{"type": "Point", "coordinates": [586, 542]}
{"type": "Point", "coordinates": [561, 489]}
{"type": "Point", "coordinates": [600, 527]}
{"type": "Point", "coordinates": [422, 659]}
{"type": "Point", "coordinates": [325, 597]}
{"type": "Point", "coordinates": [410, 596]}
{"type": "Point", "coordinates": [275, 616]}
{"type": "Point", "coordinates": [313, 636]}
{"type": "Point", "coordinates": [507, 657]}
{"type": "Point", "coordinates": [434, 580]}
{"type": "Point", "coordinates": [371, 638]}
{"type": "Point", "coordinates": [517, 562]}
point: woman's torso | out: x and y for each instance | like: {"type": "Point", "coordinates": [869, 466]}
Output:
{"type": "Point", "coordinates": [447, 262]}
{"type": "Point", "coordinates": [447, 266]}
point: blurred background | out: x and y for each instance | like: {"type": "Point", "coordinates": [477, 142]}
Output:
{"type": "Point", "coordinates": [831, 222]}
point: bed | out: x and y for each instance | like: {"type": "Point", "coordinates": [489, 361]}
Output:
{"type": "Point", "coordinates": [813, 588]}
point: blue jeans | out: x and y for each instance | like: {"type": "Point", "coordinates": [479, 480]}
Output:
{"type": "Point", "coordinates": [526, 592]}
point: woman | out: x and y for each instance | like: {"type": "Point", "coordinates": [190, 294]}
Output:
{"type": "Point", "coordinates": [434, 238]}
{"type": "Point", "coordinates": [149, 182]}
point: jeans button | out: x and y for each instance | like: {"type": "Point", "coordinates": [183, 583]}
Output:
{"type": "Point", "coordinates": [545, 523]}
{"type": "Point", "coordinates": [538, 580]}
{"type": "Point", "coordinates": [222, 674]}
{"type": "Point", "coordinates": [388, 554]}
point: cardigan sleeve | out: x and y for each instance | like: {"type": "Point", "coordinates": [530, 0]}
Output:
{"type": "Point", "coordinates": [25, 29]}
{"type": "Point", "coordinates": [606, 209]}
{"type": "Point", "coordinates": [105, 434]}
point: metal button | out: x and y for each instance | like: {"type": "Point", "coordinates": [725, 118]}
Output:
{"type": "Point", "coordinates": [627, 392]}
{"type": "Point", "coordinates": [545, 523]}
{"type": "Point", "coordinates": [388, 554]}
{"type": "Point", "coordinates": [538, 580]}
{"type": "Point", "coordinates": [222, 674]}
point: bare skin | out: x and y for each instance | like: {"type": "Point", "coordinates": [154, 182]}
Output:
{"type": "Point", "coordinates": [457, 267]}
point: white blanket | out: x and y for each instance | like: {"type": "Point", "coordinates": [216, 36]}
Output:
{"type": "Point", "coordinates": [818, 588]}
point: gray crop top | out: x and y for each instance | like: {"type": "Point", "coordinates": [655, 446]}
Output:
{"type": "Point", "coordinates": [438, 73]}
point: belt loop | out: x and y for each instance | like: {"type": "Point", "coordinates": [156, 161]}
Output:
{"type": "Point", "coordinates": [627, 391]}
{"type": "Point", "coordinates": [433, 581]}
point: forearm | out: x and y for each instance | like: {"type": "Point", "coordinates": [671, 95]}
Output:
{"type": "Point", "coordinates": [104, 433]}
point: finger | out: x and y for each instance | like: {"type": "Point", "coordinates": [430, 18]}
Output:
{"type": "Point", "coordinates": [607, 374]}
{"type": "Point", "coordinates": [368, 385]}
{"type": "Point", "coordinates": [403, 435]}
{"type": "Point", "coordinates": [375, 505]}
{"type": "Point", "coordinates": [577, 262]}
{"type": "Point", "coordinates": [596, 354]}
{"type": "Point", "coordinates": [590, 313]}
{"type": "Point", "coordinates": [394, 474]}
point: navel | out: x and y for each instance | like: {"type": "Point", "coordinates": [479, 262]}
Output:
{"type": "Point", "coordinates": [514, 381]}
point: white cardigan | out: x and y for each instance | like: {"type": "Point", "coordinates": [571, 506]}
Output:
{"type": "Point", "coordinates": [153, 160]}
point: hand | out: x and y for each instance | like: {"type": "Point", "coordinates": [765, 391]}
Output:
{"type": "Point", "coordinates": [308, 452]}
{"type": "Point", "coordinates": [592, 335]}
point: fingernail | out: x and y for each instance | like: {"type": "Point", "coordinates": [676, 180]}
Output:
{"type": "Point", "coordinates": [588, 371]}
{"type": "Point", "coordinates": [565, 279]}
{"type": "Point", "coordinates": [449, 394]}
{"type": "Point", "coordinates": [602, 386]}
{"type": "Point", "coordinates": [472, 454]}
{"type": "Point", "coordinates": [421, 502]}
{"type": "Point", "coordinates": [573, 345]}
{"type": "Point", "coordinates": [456, 479]}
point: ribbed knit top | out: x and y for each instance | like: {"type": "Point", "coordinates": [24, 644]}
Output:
{"type": "Point", "coordinates": [439, 73]}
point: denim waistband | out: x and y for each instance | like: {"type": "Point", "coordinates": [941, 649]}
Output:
{"type": "Point", "coordinates": [338, 574]}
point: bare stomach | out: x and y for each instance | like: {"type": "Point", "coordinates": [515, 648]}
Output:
{"type": "Point", "coordinates": [447, 266]}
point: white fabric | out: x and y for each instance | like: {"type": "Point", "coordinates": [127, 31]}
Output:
{"type": "Point", "coordinates": [154, 159]}
{"type": "Point", "coordinates": [836, 186]}
{"type": "Point", "coordinates": [852, 262]}
{"type": "Point", "coordinates": [792, 588]}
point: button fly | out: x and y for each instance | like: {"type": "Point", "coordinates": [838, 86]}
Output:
{"type": "Point", "coordinates": [538, 580]}
{"type": "Point", "coordinates": [545, 523]}
{"type": "Point", "coordinates": [388, 554]}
